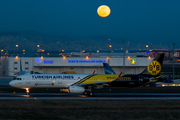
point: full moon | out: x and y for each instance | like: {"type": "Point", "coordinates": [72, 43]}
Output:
{"type": "Point", "coordinates": [103, 10]}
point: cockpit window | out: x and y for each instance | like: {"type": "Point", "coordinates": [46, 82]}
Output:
{"type": "Point", "coordinates": [15, 78]}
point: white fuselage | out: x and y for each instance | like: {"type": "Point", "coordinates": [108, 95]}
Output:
{"type": "Point", "coordinates": [46, 80]}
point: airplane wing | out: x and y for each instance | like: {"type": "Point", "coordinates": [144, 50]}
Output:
{"type": "Point", "coordinates": [108, 69]}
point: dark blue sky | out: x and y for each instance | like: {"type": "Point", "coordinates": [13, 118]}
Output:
{"type": "Point", "coordinates": [134, 20]}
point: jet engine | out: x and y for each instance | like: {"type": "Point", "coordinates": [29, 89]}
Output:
{"type": "Point", "coordinates": [76, 89]}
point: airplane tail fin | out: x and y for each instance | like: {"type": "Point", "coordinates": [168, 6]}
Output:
{"type": "Point", "coordinates": [154, 68]}
{"type": "Point", "coordinates": [94, 72]}
{"type": "Point", "coordinates": [108, 69]}
{"type": "Point", "coordinates": [89, 55]}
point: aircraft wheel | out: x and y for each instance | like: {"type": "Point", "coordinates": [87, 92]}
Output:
{"type": "Point", "coordinates": [91, 94]}
{"type": "Point", "coordinates": [88, 93]}
{"type": "Point", "coordinates": [85, 93]}
{"type": "Point", "coordinates": [27, 91]}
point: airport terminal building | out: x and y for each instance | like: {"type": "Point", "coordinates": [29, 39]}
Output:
{"type": "Point", "coordinates": [134, 64]}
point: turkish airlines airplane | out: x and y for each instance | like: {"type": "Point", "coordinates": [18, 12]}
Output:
{"type": "Point", "coordinates": [75, 83]}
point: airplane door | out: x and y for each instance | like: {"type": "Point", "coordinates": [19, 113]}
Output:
{"type": "Point", "coordinates": [28, 81]}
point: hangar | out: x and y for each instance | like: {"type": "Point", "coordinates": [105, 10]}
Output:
{"type": "Point", "coordinates": [134, 64]}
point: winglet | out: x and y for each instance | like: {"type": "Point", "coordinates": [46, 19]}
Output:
{"type": "Point", "coordinates": [118, 76]}
{"type": "Point", "coordinates": [93, 72]}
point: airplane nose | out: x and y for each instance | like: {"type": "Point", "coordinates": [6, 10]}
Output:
{"type": "Point", "coordinates": [12, 83]}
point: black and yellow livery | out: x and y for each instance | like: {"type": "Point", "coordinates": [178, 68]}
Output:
{"type": "Point", "coordinates": [148, 76]}
{"type": "Point", "coordinates": [96, 79]}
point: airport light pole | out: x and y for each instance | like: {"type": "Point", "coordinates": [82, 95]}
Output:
{"type": "Point", "coordinates": [123, 56]}
{"type": "Point", "coordinates": [108, 50]}
{"type": "Point", "coordinates": [173, 60]}
{"type": "Point", "coordinates": [17, 50]}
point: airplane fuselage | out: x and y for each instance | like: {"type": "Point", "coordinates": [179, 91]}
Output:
{"type": "Point", "coordinates": [65, 80]}
{"type": "Point", "coordinates": [58, 80]}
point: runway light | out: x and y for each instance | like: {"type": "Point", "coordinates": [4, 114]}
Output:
{"type": "Point", "coordinates": [108, 58]}
{"type": "Point", "coordinates": [149, 57]}
{"type": "Point", "coordinates": [16, 57]}
{"type": "Point", "coordinates": [62, 50]}
{"type": "Point", "coordinates": [128, 57]}
{"type": "Point", "coordinates": [41, 57]}
{"type": "Point", "coordinates": [14, 92]}
{"type": "Point", "coordinates": [87, 57]}
{"type": "Point", "coordinates": [64, 57]}
{"type": "Point", "coordinates": [47, 53]}
{"type": "Point", "coordinates": [17, 45]}
{"type": "Point", "coordinates": [2, 50]}
{"type": "Point", "coordinates": [35, 98]}
{"type": "Point", "coordinates": [38, 45]}
{"type": "Point", "coordinates": [97, 51]}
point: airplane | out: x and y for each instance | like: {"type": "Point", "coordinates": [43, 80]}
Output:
{"type": "Point", "coordinates": [73, 83]}
{"type": "Point", "coordinates": [148, 76]}
{"type": "Point", "coordinates": [84, 83]}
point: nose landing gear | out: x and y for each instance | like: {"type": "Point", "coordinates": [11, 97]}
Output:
{"type": "Point", "coordinates": [27, 91]}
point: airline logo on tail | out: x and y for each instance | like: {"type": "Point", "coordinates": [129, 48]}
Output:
{"type": "Point", "coordinates": [154, 68]}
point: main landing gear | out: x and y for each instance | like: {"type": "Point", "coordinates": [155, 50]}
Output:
{"type": "Point", "coordinates": [88, 93]}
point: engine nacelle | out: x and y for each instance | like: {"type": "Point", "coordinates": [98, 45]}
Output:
{"type": "Point", "coordinates": [76, 89]}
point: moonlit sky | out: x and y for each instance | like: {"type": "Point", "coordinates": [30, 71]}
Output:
{"type": "Point", "coordinates": [134, 20]}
